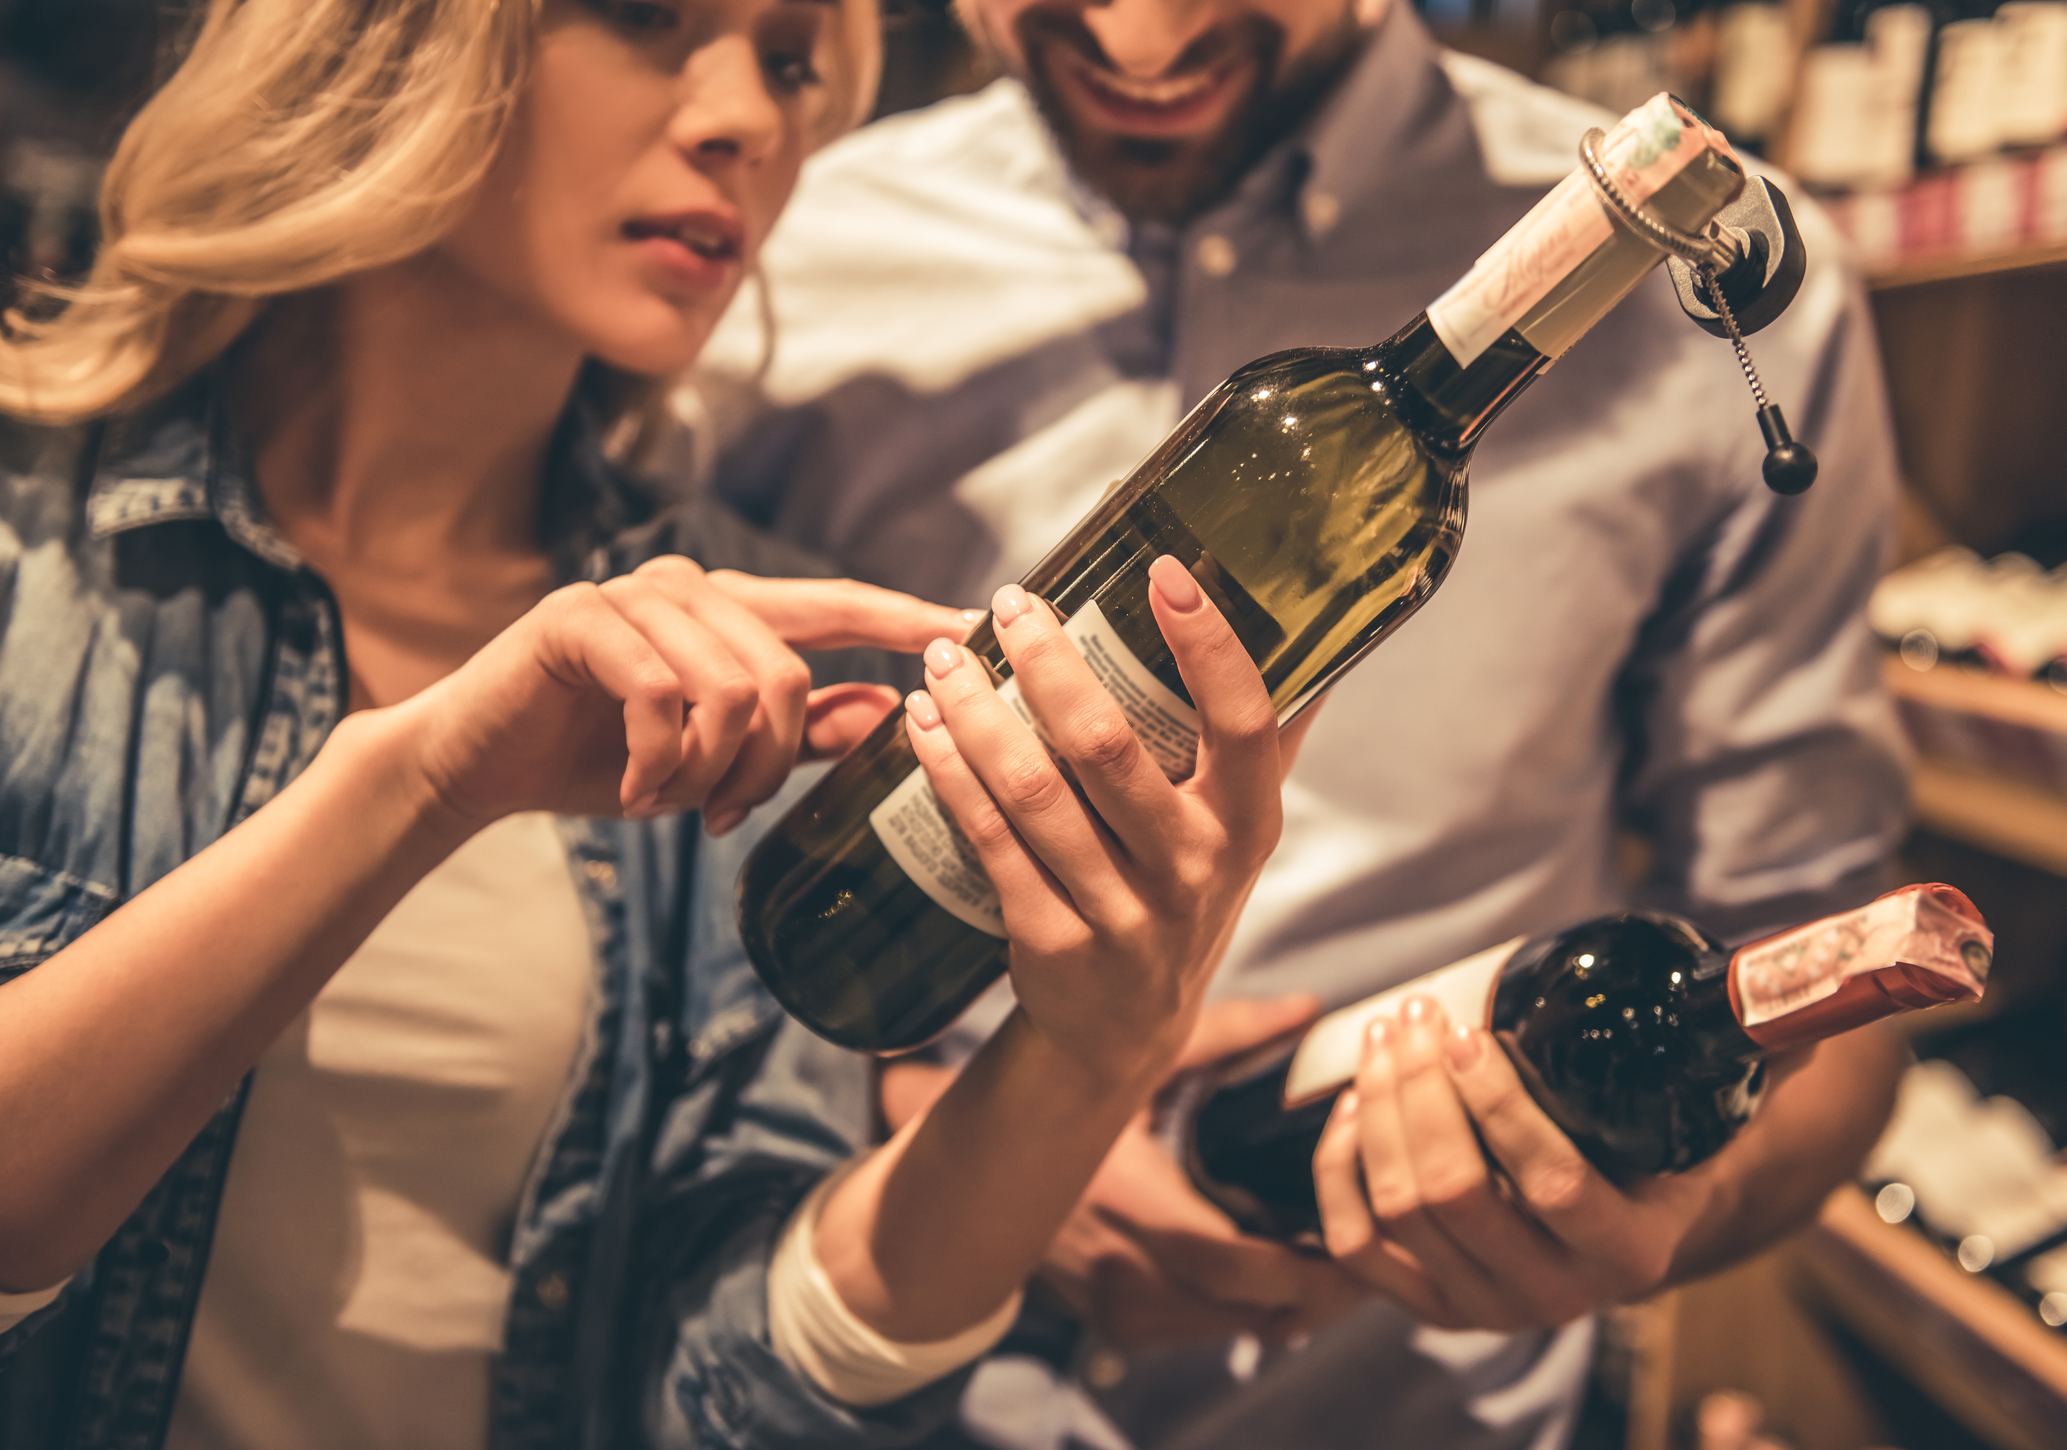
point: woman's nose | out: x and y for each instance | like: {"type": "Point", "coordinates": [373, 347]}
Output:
{"type": "Point", "coordinates": [1145, 37]}
{"type": "Point", "coordinates": [727, 115]}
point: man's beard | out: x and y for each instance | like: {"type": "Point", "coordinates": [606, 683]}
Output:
{"type": "Point", "coordinates": [1172, 181]}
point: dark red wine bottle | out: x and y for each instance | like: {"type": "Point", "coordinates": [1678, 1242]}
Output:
{"type": "Point", "coordinates": [1641, 1036]}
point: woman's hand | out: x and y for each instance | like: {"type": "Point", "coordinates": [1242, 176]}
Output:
{"type": "Point", "coordinates": [662, 690]}
{"type": "Point", "coordinates": [1118, 903]}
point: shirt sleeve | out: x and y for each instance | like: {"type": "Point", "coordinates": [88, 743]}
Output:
{"type": "Point", "coordinates": [813, 1330]}
{"type": "Point", "coordinates": [1765, 763]}
{"type": "Point", "coordinates": [778, 1116]}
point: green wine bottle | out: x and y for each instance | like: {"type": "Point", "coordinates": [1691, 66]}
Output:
{"type": "Point", "coordinates": [1318, 496]}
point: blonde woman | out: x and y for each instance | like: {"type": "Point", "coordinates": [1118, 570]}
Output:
{"type": "Point", "coordinates": [378, 1063]}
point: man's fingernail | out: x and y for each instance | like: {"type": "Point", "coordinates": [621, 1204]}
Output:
{"type": "Point", "coordinates": [1464, 1046]}
{"type": "Point", "coordinates": [1346, 1104]}
{"type": "Point", "coordinates": [646, 805]}
{"type": "Point", "coordinates": [941, 658]}
{"type": "Point", "coordinates": [924, 713]}
{"type": "Point", "coordinates": [1009, 604]}
{"type": "Point", "coordinates": [1176, 584]}
{"type": "Point", "coordinates": [724, 821]}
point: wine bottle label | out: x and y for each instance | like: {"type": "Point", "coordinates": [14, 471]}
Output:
{"type": "Point", "coordinates": [1917, 947]}
{"type": "Point", "coordinates": [925, 842]}
{"type": "Point", "coordinates": [1328, 1055]}
{"type": "Point", "coordinates": [1647, 148]}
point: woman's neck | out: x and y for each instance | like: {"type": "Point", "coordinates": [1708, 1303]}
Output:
{"type": "Point", "coordinates": [400, 421]}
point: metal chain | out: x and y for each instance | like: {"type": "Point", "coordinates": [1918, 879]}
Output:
{"type": "Point", "coordinates": [1696, 250]}
{"type": "Point", "coordinates": [1729, 320]}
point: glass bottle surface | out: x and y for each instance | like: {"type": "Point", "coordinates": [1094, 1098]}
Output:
{"type": "Point", "coordinates": [1641, 1036]}
{"type": "Point", "coordinates": [1310, 509]}
{"type": "Point", "coordinates": [1318, 495]}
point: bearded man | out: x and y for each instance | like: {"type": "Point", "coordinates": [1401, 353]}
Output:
{"type": "Point", "coordinates": [976, 316]}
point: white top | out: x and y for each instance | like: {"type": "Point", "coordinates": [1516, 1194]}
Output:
{"type": "Point", "coordinates": [357, 1286]}
{"type": "Point", "coordinates": [814, 1332]}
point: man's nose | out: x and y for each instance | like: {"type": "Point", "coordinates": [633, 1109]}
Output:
{"type": "Point", "coordinates": [1145, 37]}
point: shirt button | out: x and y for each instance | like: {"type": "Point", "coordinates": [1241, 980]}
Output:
{"type": "Point", "coordinates": [1216, 255]}
{"type": "Point", "coordinates": [1104, 1369]}
{"type": "Point", "coordinates": [603, 874]}
{"type": "Point", "coordinates": [552, 1292]}
{"type": "Point", "coordinates": [1323, 209]}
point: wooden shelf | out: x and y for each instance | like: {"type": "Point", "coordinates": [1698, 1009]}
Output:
{"type": "Point", "coordinates": [1968, 723]}
{"type": "Point", "coordinates": [1998, 814]}
{"type": "Point", "coordinates": [2021, 703]}
{"type": "Point", "coordinates": [1964, 1340]}
{"type": "Point", "coordinates": [1950, 266]}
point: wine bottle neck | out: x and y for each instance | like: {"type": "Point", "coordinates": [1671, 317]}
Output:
{"type": "Point", "coordinates": [1918, 947]}
{"type": "Point", "coordinates": [1560, 270]}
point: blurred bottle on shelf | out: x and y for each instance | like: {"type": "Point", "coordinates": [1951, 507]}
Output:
{"type": "Point", "coordinates": [1966, 103]}
{"type": "Point", "coordinates": [1980, 1177]}
{"type": "Point", "coordinates": [2033, 60]}
{"type": "Point", "coordinates": [1616, 53]}
{"type": "Point", "coordinates": [1754, 70]}
{"type": "Point", "coordinates": [1857, 109]}
{"type": "Point", "coordinates": [2004, 615]}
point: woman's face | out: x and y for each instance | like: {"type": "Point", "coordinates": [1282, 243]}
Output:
{"type": "Point", "coordinates": [655, 144]}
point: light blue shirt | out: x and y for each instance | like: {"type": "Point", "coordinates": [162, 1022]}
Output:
{"type": "Point", "coordinates": [967, 348]}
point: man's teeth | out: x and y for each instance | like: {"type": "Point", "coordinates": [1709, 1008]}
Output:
{"type": "Point", "coordinates": [1175, 92]}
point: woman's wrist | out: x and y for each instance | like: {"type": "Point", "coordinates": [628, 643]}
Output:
{"type": "Point", "coordinates": [1104, 1074]}
{"type": "Point", "coordinates": [377, 755]}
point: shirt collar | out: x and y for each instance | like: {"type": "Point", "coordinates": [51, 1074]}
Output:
{"type": "Point", "coordinates": [180, 459]}
{"type": "Point", "coordinates": [1366, 136]}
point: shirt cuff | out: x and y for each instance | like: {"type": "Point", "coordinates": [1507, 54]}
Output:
{"type": "Point", "coordinates": [14, 1308]}
{"type": "Point", "coordinates": [814, 1332]}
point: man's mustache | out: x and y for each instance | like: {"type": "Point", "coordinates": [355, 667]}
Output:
{"type": "Point", "coordinates": [1064, 25]}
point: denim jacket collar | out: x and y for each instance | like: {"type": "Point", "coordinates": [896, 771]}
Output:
{"type": "Point", "coordinates": [182, 460]}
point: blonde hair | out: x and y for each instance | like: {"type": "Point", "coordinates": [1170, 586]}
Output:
{"type": "Point", "coordinates": [298, 142]}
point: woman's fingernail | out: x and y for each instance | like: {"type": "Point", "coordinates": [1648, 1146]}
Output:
{"type": "Point", "coordinates": [1464, 1046]}
{"type": "Point", "coordinates": [941, 658]}
{"type": "Point", "coordinates": [1009, 604]}
{"type": "Point", "coordinates": [646, 805]}
{"type": "Point", "coordinates": [924, 713]}
{"type": "Point", "coordinates": [1176, 584]}
{"type": "Point", "coordinates": [1422, 1011]}
{"type": "Point", "coordinates": [1379, 1033]}
{"type": "Point", "coordinates": [1346, 1104]}
{"type": "Point", "coordinates": [724, 821]}
{"type": "Point", "coordinates": [972, 616]}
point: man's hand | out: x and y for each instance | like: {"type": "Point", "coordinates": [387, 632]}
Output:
{"type": "Point", "coordinates": [1145, 1259]}
{"type": "Point", "coordinates": [1442, 1183]}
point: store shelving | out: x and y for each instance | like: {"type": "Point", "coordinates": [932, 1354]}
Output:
{"type": "Point", "coordinates": [1965, 1341]}
{"type": "Point", "coordinates": [1993, 812]}
{"type": "Point", "coordinates": [1952, 266]}
{"type": "Point", "coordinates": [2001, 744]}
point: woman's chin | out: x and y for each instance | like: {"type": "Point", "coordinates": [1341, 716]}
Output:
{"type": "Point", "coordinates": [653, 351]}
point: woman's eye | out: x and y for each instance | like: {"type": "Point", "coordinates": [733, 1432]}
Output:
{"type": "Point", "coordinates": [643, 15]}
{"type": "Point", "coordinates": [792, 72]}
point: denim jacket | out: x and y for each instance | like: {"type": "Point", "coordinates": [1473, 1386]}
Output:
{"type": "Point", "coordinates": [167, 665]}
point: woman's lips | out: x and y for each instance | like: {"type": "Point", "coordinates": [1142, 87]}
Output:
{"type": "Point", "coordinates": [699, 249]}
{"type": "Point", "coordinates": [1172, 107]}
